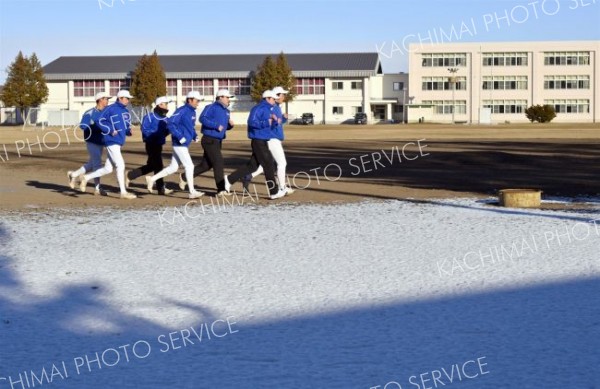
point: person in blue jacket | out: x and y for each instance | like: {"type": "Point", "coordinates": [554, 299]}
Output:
{"type": "Point", "coordinates": [261, 123]}
{"type": "Point", "coordinates": [216, 121]}
{"type": "Point", "coordinates": [276, 145]}
{"type": "Point", "coordinates": [154, 133]}
{"type": "Point", "coordinates": [182, 128]}
{"type": "Point", "coordinates": [115, 125]}
{"type": "Point", "coordinates": [92, 134]}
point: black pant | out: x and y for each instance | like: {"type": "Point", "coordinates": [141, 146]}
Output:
{"type": "Point", "coordinates": [261, 155]}
{"type": "Point", "coordinates": [212, 159]}
{"type": "Point", "coordinates": [153, 164]}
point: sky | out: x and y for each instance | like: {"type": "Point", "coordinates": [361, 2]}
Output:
{"type": "Point", "coordinates": [54, 28]}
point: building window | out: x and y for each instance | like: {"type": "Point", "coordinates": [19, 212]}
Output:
{"type": "Point", "coordinates": [117, 85]}
{"type": "Point", "coordinates": [398, 86]}
{"type": "Point", "coordinates": [338, 110]}
{"type": "Point", "coordinates": [398, 108]}
{"type": "Point", "coordinates": [310, 86]}
{"type": "Point", "coordinates": [356, 85]}
{"type": "Point", "coordinates": [569, 106]}
{"type": "Point", "coordinates": [443, 83]}
{"type": "Point", "coordinates": [443, 59]}
{"type": "Point", "coordinates": [236, 86]}
{"type": "Point", "coordinates": [505, 82]}
{"type": "Point", "coordinates": [567, 58]}
{"type": "Point", "coordinates": [444, 107]}
{"type": "Point", "coordinates": [171, 87]}
{"type": "Point", "coordinates": [88, 88]}
{"type": "Point", "coordinates": [357, 109]}
{"type": "Point", "coordinates": [566, 82]}
{"type": "Point", "coordinates": [506, 106]}
{"type": "Point", "coordinates": [204, 87]}
{"type": "Point", "coordinates": [337, 85]}
{"type": "Point", "coordinates": [504, 59]}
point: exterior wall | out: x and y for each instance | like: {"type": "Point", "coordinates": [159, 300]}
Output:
{"type": "Point", "coordinates": [535, 70]}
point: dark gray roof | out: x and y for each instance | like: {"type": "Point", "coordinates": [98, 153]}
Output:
{"type": "Point", "coordinates": [214, 65]}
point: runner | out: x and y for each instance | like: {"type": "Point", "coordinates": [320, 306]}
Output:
{"type": "Point", "coordinates": [93, 141]}
{"type": "Point", "coordinates": [154, 133]}
{"type": "Point", "coordinates": [182, 128]}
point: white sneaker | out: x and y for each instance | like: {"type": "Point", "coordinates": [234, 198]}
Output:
{"type": "Point", "coordinates": [72, 179]}
{"type": "Point", "coordinates": [83, 184]}
{"type": "Point", "coordinates": [277, 195]}
{"type": "Point", "coordinates": [195, 194]}
{"type": "Point", "coordinates": [165, 191]}
{"type": "Point", "coordinates": [227, 185]}
{"type": "Point", "coordinates": [288, 190]}
{"type": "Point", "coordinates": [223, 194]}
{"type": "Point", "coordinates": [128, 196]}
{"type": "Point", "coordinates": [127, 180]}
{"type": "Point", "coordinates": [149, 183]}
{"type": "Point", "coordinates": [182, 183]}
{"type": "Point", "coordinates": [100, 192]}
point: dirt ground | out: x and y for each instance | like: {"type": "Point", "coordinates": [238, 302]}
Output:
{"type": "Point", "coordinates": [419, 162]}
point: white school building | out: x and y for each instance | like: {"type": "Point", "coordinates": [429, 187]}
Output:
{"type": "Point", "coordinates": [496, 82]}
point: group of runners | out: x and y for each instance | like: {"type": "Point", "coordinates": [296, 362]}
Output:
{"type": "Point", "coordinates": [107, 126]}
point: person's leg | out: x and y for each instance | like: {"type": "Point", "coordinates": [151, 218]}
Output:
{"type": "Point", "coordinates": [276, 148]}
{"type": "Point", "coordinates": [155, 163]}
{"type": "Point", "coordinates": [212, 153]}
{"type": "Point", "coordinates": [142, 170]}
{"type": "Point", "coordinates": [183, 154]}
{"type": "Point", "coordinates": [201, 167]}
{"type": "Point", "coordinates": [265, 159]}
{"type": "Point", "coordinates": [250, 167]}
{"type": "Point", "coordinates": [95, 152]}
{"type": "Point", "coordinates": [172, 168]}
{"type": "Point", "coordinates": [114, 152]}
{"type": "Point", "coordinates": [257, 172]}
{"type": "Point", "coordinates": [107, 169]}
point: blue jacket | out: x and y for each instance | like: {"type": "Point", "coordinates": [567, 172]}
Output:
{"type": "Point", "coordinates": [154, 129]}
{"type": "Point", "coordinates": [213, 116]}
{"type": "Point", "coordinates": [278, 128]}
{"type": "Point", "coordinates": [258, 121]}
{"type": "Point", "coordinates": [115, 117]}
{"type": "Point", "coordinates": [182, 125]}
{"type": "Point", "coordinates": [89, 124]}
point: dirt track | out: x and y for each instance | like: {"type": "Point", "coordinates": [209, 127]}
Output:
{"type": "Point", "coordinates": [454, 161]}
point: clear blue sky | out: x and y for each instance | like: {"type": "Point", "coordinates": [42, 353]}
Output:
{"type": "Point", "coordinates": [54, 28]}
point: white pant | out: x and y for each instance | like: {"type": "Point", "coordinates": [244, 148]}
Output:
{"type": "Point", "coordinates": [94, 163]}
{"type": "Point", "coordinates": [181, 155]}
{"type": "Point", "coordinates": [276, 148]}
{"type": "Point", "coordinates": [114, 158]}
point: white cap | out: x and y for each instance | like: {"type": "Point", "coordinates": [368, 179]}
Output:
{"type": "Point", "coordinates": [101, 95]}
{"type": "Point", "coordinates": [160, 100]}
{"type": "Point", "coordinates": [194, 95]}
{"type": "Point", "coordinates": [124, 93]}
{"type": "Point", "coordinates": [279, 90]}
{"type": "Point", "coordinates": [269, 93]}
{"type": "Point", "coordinates": [224, 92]}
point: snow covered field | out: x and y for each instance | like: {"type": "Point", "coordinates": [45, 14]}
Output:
{"type": "Point", "coordinates": [410, 294]}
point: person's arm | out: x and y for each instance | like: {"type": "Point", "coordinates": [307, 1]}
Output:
{"type": "Point", "coordinates": [206, 118]}
{"type": "Point", "coordinates": [173, 124]}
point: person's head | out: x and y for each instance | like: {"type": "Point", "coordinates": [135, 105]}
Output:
{"type": "Point", "coordinates": [269, 96]}
{"type": "Point", "coordinates": [162, 104]}
{"type": "Point", "coordinates": [123, 96]}
{"type": "Point", "coordinates": [224, 97]}
{"type": "Point", "coordinates": [193, 98]}
{"type": "Point", "coordinates": [280, 93]}
{"type": "Point", "coordinates": [101, 100]}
